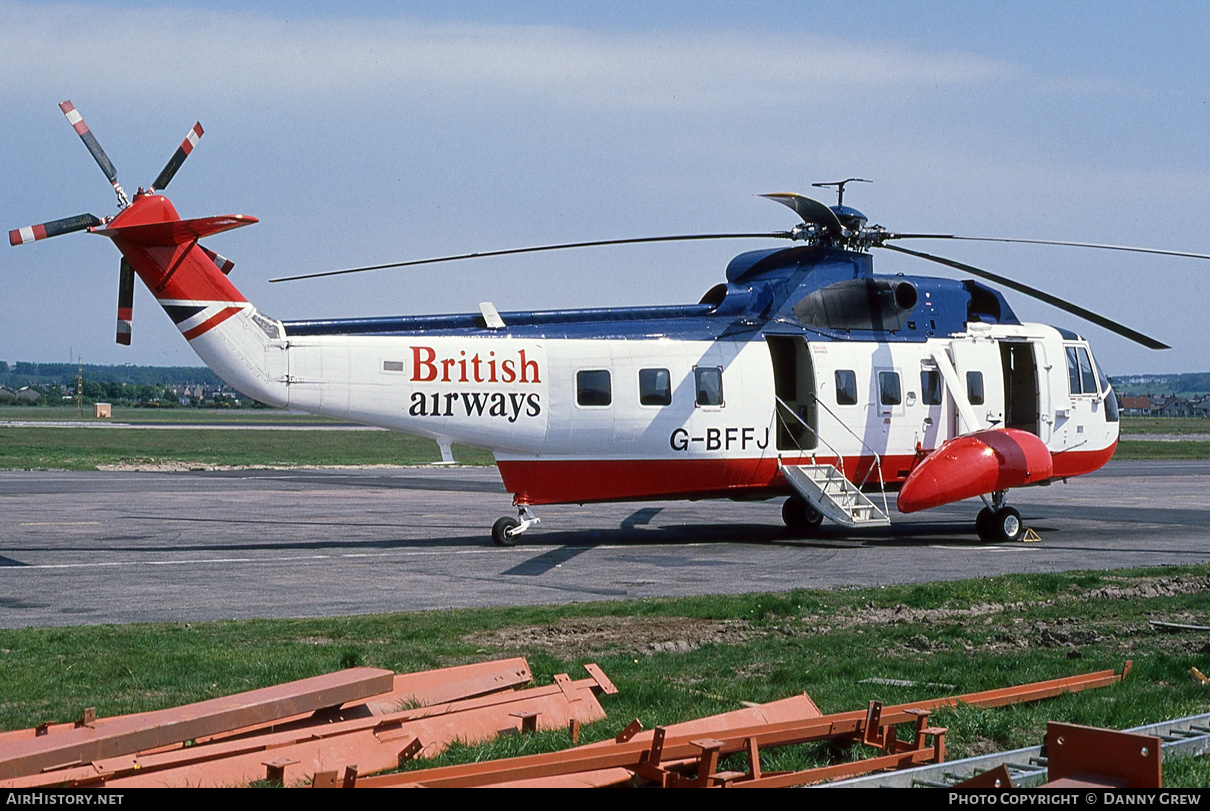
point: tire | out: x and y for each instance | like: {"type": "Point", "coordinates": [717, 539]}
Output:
{"type": "Point", "coordinates": [502, 531]}
{"type": "Point", "coordinates": [800, 516]}
{"type": "Point", "coordinates": [1003, 526]}
{"type": "Point", "coordinates": [983, 522]}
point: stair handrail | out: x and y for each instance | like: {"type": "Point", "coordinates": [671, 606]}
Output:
{"type": "Point", "coordinates": [819, 440]}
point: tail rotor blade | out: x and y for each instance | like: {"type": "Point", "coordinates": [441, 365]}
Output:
{"type": "Point", "coordinates": [221, 262]}
{"type": "Point", "coordinates": [125, 303]}
{"type": "Point", "coordinates": [98, 154]}
{"type": "Point", "coordinates": [178, 157]}
{"type": "Point", "coordinates": [33, 233]}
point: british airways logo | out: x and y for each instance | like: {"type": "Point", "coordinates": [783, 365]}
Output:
{"type": "Point", "coordinates": [512, 369]}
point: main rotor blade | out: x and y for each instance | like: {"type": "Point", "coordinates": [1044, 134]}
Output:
{"type": "Point", "coordinates": [811, 211]}
{"type": "Point", "coordinates": [32, 233]}
{"type": "Point", "coordinates": [1033, 292]}
{"type": "Point", "coordinates": [1097, 245]}
{"type": "Point", "coordinates": [536, 249]}
{"type": "Point", "coordinates": [169, 171]}
{"type": "Point", "coordinates": [77, 122]}
{"type": "Point", "coordinates": [125, 303]}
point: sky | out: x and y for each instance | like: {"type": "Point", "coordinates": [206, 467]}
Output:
{"type": "Point", "coordinates": [362, 133]}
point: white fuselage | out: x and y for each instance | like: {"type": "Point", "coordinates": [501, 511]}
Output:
{"type": "Point", "coordinates": [586, 419]}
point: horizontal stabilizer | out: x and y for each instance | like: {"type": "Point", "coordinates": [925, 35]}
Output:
{"type": "Point", "coordinates": [175, 232]}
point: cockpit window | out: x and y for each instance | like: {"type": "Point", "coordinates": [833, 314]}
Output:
{"type": "Point", "coordinates": [1081, 377]}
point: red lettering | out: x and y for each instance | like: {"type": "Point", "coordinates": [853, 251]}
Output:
{"type": "Point", "coordinates": [526, 365]}
{"type": "Point", "coordinates": [423, 370]}
{"type": "Point", "coordinates": [427, 367]}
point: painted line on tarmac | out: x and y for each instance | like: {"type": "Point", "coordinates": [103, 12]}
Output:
{"type": "Point", "coordinates": [275, 560]}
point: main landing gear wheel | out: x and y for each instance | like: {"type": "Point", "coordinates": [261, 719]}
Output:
{"type": "Point", "coordinates": [1003, 524]}
{"type": "Point", "coordinates": [800, 516]}
{"type": "Point", "coordinates": [504, 531]}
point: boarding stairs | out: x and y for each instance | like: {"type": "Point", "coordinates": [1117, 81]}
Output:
{"type": "Point", "coordinates": [825, 487]}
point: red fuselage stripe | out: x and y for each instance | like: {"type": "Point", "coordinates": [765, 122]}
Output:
{"type": "Point", "coordinates": [587, 480]}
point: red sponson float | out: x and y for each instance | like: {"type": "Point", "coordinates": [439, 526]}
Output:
{"type": "Point", "coordinates": [975, 465]}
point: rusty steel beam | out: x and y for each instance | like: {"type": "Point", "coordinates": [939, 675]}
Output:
{"type": "Point", "coordinates": [632, 753]}
{"type": "Point", "coordinates": [799, 707]}
{"type": "Point", "coordinates": [1088, 757]}
{"type": "Point", "coordinates": [840, 771]}
{"type": "Point", "coordinates": [384, 745]}
{"type": "Point", "coordinates": [163, 727]}
{"type": "Point", "coordinates": [452, 684]}
{"type": "Point", "coordinates": [408, 689]}
{"type": "Point", "coordinates": [384, 725]}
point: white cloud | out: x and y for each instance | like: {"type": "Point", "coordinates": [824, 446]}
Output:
{"type": "Point", "coordinates": [156, 51]}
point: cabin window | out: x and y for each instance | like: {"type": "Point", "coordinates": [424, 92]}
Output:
{"type": "Point", "coordinates": [846, 387]}
{"type": "Point", "coordinates": [889, 390]}
{"type": "Point", "coordinates": [974, 387]}
{"type": "Point", "coordinates": [708, 383]}
{"type": "Point", "coordinates": [655, 387]}
{"type": "Point", "coordinates": [930, 387]}
{"type": "Point", "coordinates": [592, 388]}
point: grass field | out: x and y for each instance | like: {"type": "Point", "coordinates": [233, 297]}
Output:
{"type": "Point", "coordinates": [675, 659]}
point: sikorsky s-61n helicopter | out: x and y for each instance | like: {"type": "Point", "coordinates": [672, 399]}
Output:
{"type": "Point", "coordinates": [805, 375]}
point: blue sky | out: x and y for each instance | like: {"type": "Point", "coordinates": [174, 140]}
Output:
{"type": "Point", "coordinates": [365, 133]}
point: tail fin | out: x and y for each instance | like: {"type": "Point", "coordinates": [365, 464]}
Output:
{"type": "Point", "coordinates": [163, 250]}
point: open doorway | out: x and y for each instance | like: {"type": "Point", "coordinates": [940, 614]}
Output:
{"type": "Point", "coordinates": [1020, 386]}
{"type": "Point", "coordinates": [794, 384]}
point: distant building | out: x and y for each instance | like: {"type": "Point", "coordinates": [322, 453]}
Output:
{"type": "Point", "coordinates": [1136, 406]}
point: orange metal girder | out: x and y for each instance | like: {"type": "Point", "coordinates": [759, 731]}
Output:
{"type": "Point", "coordinates": [1079, 756]}
{"type": "Point", "coordinates": [631, 753]}
{"type": "Point", "coordinates": [452, 684]}
{"type": "Point", "coordinates": [408, 689]}
{"type": "Point", "coordinates": [163, 727]}
{"type": "Point", "coordinates": [424, 688]}
{"type": "Point", "coordinates": [799, 707]}
{"type": "Point", "coordinates": [378, 748]}
{"type": "Point", "coordinates": [112, 768]}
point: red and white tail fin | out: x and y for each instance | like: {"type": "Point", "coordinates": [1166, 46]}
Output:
{"type": "Point", "coordinates": [181, 274]}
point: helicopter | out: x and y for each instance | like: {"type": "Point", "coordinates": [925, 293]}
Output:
{"type": "Point", "coordinates": [804, 375]}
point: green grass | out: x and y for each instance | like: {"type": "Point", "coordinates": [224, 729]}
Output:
{"type": "Point", "coordinates": [1165, 425]}
{"type": "Point", "coordinates": [152, 416]}
{"type": "Point", "coordinates": [86, 448]}
{"type": "Point", "coordinates": [759, 648]}
{"type": "Point", "coordinates": [1156, 449]}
